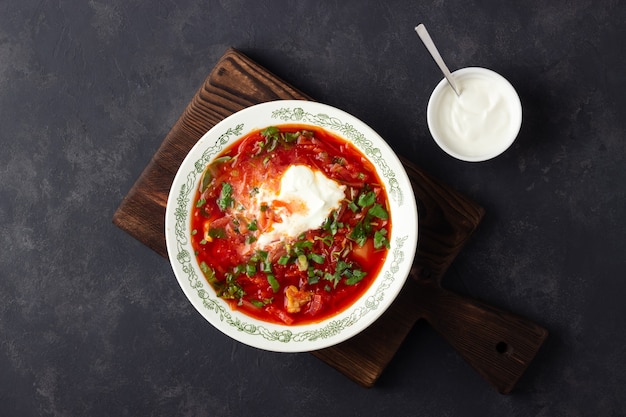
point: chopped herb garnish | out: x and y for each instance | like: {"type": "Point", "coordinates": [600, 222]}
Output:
{"type": "Point", "coordinates": [332, 223]}
{"type": "Point", "coordinates": [327, 239]}
{"type": "Point", "coordinates": [313, 279]}
{"type": "Point", "coordinates": [250, 269]}
{"type": "Point", "coordinates": [342, 266]}
{"type": "Point", "coordinates": [201, 202]}
{"type": "Point", "coordinates": [378, 211]}
{"type": "Point", "coordinates": [205, 181]}
{"type": "Point", "coordinates": [283, 260]}
{"type": "Point", "coordinates": [334, 278]}
{"type": "Point", "coordinates": [380, 239]}
{"type": "Point", "coordinates": [252, 226]}
{"type": "Point", "coordinates": [359, 233]}
{"type": "Point", "coordinates": [217, 233]}
{"type": "Point", "coordinates": [231, 289]}
{"type": "Point", "coordinates": [260, 255]}
{"type": "Point", "coordinates": [300, 246]}
{"type": "Point", "coordinates": [366, 199]}
{"type": "Point", "coordinates": [211, 170]}
{"type": "Point", "coordinates": [266, 266]}
{"type": "Point", "coordinates": [273, 137]}
{"type": "Point", "coordinates": [318, 259]}
{"type": "Point", "coordinates": [355, 276]}
{"type": "Point", "coordinates": [291, 137]}
{"type": "Point", "coordinates": [271, 131]}
{"type": "Point", "coordinates": [344, 269]}
{"type": "Point", "coordinates": [221, 160]}
{"type": "Point", "coordinates": [207, 271]}
{"type": "Point", "coordinates": [271, 279]}
{"type": "Point", "coordinates": [225, 200]}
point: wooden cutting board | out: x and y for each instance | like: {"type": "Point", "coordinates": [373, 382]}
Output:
{"type": "Point", "coordinates": [499, 345]}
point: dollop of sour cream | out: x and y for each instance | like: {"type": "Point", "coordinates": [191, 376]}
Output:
{"type": "Point", "coordinates": [482, 121]}
{"type": "Point", "coordinates": [306, 198]}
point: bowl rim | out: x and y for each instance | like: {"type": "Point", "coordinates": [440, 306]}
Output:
{"type": "Point", "coordinates": [306, 337]}
{"type": "Point", "coordinates": [496, 151]}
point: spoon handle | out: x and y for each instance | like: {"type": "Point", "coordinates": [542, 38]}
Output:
{"type": "Point", "coordinates": [430, 45]}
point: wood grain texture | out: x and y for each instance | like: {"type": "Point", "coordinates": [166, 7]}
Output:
{"type": "Point", "coordinates": [236, 82]}
{"type": "Point", "coordinates": [497, 344]}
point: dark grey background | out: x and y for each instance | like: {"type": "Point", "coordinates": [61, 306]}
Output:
{"type": "Point", "coordinates": [92, 323]}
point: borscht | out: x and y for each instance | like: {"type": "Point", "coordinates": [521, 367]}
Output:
{"type": "Point", "coordinates": [290, 224]}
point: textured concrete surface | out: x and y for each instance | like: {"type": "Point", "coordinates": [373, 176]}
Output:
{"type": "Point", "coordinates": [94, 323]}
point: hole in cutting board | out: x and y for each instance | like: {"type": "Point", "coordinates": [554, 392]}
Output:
{"type": "Point", "coordinates": [502, 347]}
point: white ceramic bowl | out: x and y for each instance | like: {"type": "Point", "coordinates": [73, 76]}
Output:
{"type": "Point", "coordinates": [482, 122]}
{"type": "Point", "coordinates": [369, 306]}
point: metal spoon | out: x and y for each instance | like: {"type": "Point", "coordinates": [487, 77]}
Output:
{"type": "Point", "coordinates": [430, 45]}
